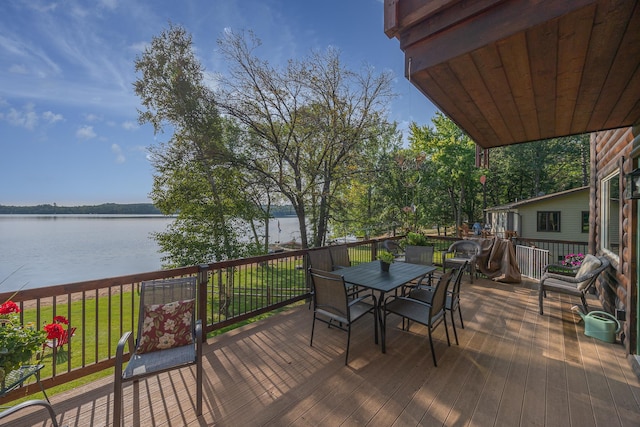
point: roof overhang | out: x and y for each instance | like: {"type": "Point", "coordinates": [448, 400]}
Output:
{"type": "Point", "coordinates": [511, 71]}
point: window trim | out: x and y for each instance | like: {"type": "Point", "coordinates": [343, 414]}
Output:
{"type": "Point", "coordinates": [605, 214]}
{"type": "Point", "coordinates": [548, 215]}
{"type": "Point", "coordinates": [583, 223]}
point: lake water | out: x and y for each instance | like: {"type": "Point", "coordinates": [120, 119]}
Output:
{"type": "Point", "coordinates": [45, 250]}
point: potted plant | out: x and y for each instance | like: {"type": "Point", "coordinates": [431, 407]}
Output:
{"type": "Point", "coordinates": [386, 259]}
{"type": "Point", "coordinates": [17, 343]}
{"type": "Point", "coordinates": [415, 239]}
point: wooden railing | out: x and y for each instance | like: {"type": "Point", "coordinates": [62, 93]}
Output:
{"type": "Point", "coordinates": [102, 310]}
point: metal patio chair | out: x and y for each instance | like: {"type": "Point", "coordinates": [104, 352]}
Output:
{"type": "Point", "coordinates": [339, 256]}
{"type": "Point", "coordinates": [425, 293]}
{"type": "Point", "coordinates": [332, 305]}
{"type": "Point", "coordinates": [464, 252]}
{"type": "Point", "coordinates": [429, 315]}
{"type": "Point", "coordinates": [392, 246]}
{"type": "Point", "coordinates": [422, 255]}
{"type": "Point", "coordinates": [320, 259]}
{"type": "Point", "coordinates": [168, 303]}
{"type": "Point", "coordinates": [577, 285]}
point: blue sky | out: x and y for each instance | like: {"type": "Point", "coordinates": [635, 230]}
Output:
{"type": "Point", "coordinates": [68, 118]}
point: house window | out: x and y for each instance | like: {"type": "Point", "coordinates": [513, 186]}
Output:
{"type": "Point", "coordinates": [585, 221]}
{"type": "Point", "coordinates": [610, 217]}
{"type": "Point", "coordinates": [549, 221]}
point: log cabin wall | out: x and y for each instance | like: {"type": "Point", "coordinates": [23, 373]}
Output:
{"type": "Point", "coordinates": [610, 151]}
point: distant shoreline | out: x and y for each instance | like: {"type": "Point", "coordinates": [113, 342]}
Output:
{"type": "Point", "coordinates": [111, 209]}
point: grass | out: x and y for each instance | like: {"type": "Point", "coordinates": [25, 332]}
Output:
{"type": "Point", "coordinates": [98, 319]}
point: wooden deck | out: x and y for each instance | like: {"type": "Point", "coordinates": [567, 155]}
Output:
{"type": "Point", "coordinates": [513, 367]}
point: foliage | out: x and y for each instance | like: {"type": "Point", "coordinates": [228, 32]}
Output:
{"type": "Point", "coordinates": [193, 177]}
{"type": "Point", "coordinates": [307, 125]}
{"type": "Point", "coordinates": [415, 239]}
{"type": "Point", "coordinates": [367, 205]}
{"type": "Point", "coordinates": [453, 180]}
{"type": "Point", "coordinates": [522, 171]}
{"type": "Point", "coordinates": [386, 256]}
{"type": "Point", "coordinates": [17, 344]}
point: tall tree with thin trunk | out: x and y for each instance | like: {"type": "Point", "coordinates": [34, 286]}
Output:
{"type": "Point", "coordinates": [192, 175]}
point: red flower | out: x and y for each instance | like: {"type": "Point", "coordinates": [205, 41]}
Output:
{"type": "Point", "coordinates": [54, 331]}
{"type": "Point", "coordinates": [9, 307]}
{"type": "Point", "coordinates": [61, 319]}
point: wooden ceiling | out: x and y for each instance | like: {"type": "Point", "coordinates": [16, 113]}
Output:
{"type": "Point", "coordinates": [511, 71]}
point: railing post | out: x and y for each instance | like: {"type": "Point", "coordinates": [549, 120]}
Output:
{"type": "Point", "coordinates": [203, 276]}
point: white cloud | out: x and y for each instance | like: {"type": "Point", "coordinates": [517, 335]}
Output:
{"type": "Point", "coordinates": [129, 125]}
{"type": "Point", "coordinates": [51, 117]}
{"type": "Point", "coordinates": [27, 118]}
{"type": "Point", "coordinates": [115, 149]}
{"type": "Point", "coordinates": [85, 132]}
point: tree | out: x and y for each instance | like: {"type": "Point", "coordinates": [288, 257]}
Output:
{"type": "Point", "coordinates": [451, 172]}
{"type": "Point", "coordinates": [543, 167]}
{"type": "Point", "coordinates": [192, 175]}
{"type": "Point", "coordinates": [307, 123]}
{"type": "Point", "coordinates": [368, 202]}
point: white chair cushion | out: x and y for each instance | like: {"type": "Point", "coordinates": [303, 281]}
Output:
{"type": "Point", "coordinates": [589, 264]}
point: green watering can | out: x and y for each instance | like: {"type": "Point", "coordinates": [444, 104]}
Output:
{"type": "Point", "coordinates": [599, 324]}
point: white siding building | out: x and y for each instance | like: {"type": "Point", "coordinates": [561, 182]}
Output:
{"type": "Point", "coordinates": [557, 216]}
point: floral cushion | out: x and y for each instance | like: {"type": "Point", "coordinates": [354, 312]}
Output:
{"type": "Point", "coordinates": [166, 326]}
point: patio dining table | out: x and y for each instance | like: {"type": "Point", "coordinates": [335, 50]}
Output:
{"type": "Point", "coordinates": [370, 276]}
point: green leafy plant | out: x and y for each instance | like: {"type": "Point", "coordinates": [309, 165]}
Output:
{"type": "Point", "coordinates": [17, 343]}
{"type": "Point", "coordinates": [415, 239]}
{"type": "Point", "coordinates": [386, 256]}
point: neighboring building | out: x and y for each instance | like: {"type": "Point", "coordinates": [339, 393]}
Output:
{"type": "Point", "coordinates": [557, 216]}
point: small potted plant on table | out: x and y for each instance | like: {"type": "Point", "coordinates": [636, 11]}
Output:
{"type": "Point", "coordinates": [386, 259]}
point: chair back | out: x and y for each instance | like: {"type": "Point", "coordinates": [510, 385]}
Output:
{"type": "Point", "coordinates": [330, 293]}
{"type": "Point", "coordinates": [440, 295]}
{"type": "Point", "coordinates": [66, 335]}
{"type": "Point", "coordinates": [419, 255]}
{"type": "Point", "coordinates": [164, 291]}
{"type": "Point", "coordinates": [320, 259]}
{"type": "Point", "coordinates": [392, 246]}
{"type": "Point", "coordinates": [465, 249]}
{"type": "Point", "coordinates": [454, 292]}
{"type": "Point", "coordinates": [339, 256]}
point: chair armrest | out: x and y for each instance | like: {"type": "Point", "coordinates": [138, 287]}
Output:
{"type": "Point", "coordinates": [198, 331]}
{"type": "Point", "coordinates": [29, 404]}
{"type": "Point", "coordinates": [362, 298]}
{"type": "Point", "coordinates": [409, 299]}
{"type": "Point", "coordinates": [127, 338]}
